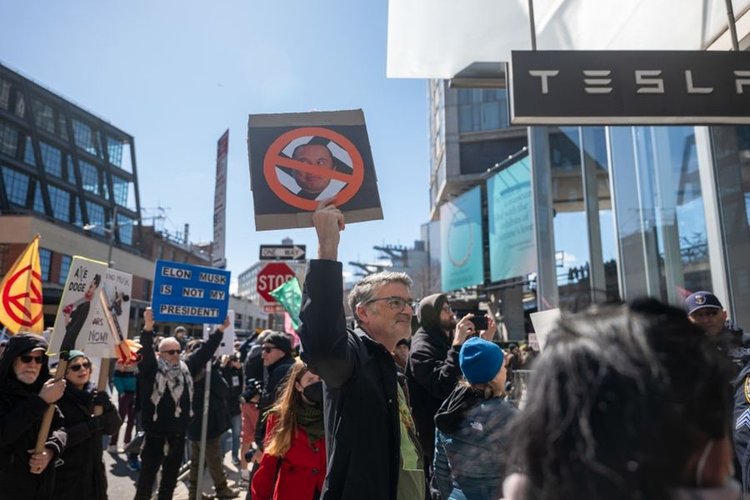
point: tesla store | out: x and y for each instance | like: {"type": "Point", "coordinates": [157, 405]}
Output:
{"type": "Point", "coordinates": [647, 194]}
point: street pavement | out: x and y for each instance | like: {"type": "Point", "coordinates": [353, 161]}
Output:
{"type": "Point", "coordinates": [121, 481]}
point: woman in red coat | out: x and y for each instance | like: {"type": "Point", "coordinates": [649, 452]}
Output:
{"type": "Point", "coordinates": [293, 466]}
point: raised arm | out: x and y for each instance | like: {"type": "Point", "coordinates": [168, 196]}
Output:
{"type": "Point", "coordinates": [324, 337]}
{"type": "Point", "coordinates": [148, 356]}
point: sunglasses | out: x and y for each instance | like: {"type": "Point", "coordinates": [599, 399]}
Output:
{"type": "Point", "coordinates": [172, 352]}
{"type": "Point", "coordinates": [25, 358]}
{"type": "Point", "coordinates": [269, 349]}
{"type": "Point", "coordinates": [75, 368]}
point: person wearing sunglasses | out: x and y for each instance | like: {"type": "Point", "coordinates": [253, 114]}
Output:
{"type": "Point", "coordinates": [165, 385]}
{"type": "Point", "coordinates": [277, 360]}
{"type": "Point", "coordinates": [26, 390]}
{"type": "Point", "coordinates": [82, 474]}
{"type": "Point", "coordinates": [372, 446]}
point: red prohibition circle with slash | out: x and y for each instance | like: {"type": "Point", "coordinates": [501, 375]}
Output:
{"type": "Point", "coordinates": [11, 303]}
{"type": "Point", "coordinates": [274, 158]}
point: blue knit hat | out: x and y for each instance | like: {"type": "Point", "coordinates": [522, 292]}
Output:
{"type": "Point", "coordinates": [480, 360]}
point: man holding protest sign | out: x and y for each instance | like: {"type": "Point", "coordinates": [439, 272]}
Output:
{"type": "Point", "coordinates": [166, 393]}
{"type": "Point", "coordinates": [25, 393]}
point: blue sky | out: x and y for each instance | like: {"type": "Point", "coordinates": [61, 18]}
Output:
{"type": "Point", "coordinates": [175, 75]}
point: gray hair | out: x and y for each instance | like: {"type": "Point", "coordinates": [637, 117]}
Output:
{"type": "Point", "coordinates": [369, 285]}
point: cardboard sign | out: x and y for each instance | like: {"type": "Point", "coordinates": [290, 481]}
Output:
{"type": "Point", "coordinates": [299, 159]}
{"type": "Point", "coordinates": [82, 322]}
{"type": "Point", "coordinates": [227, 342]}
{"type": "Point", "coordinates": [186, 293]}
{"type": "Point", "coordinates": [544, 322]}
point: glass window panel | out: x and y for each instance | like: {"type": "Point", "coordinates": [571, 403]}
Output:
{"type": "Point", "coordinates": [64, 269]}
{"type": "Point", "coordinates": [60, 200]}
{"type": "Point", "coordinates": [45, 259]}
{"type": "Point", "coordinates": [96, 217]}
{"type": "Point", "coordinates": [104, 184]}
{"type": "Point", "coordinates": [120, 187]}
{"type": "Point", "coordinates": [125, 228]}
{"type": "Point", "coordinates": [20, 107]}
{"type": "Point", "coordinates": [114, 150]}
{"type": "Point", "coordinates": [28, 152]}
{"type": "Point", "coordinates": [4, 94]}
{"type": "Point", "coordinates": [51, 159]}
{"type": "Point", "coordinates": [38, 200]}
{"type": "Point", "coordinates": [85, 138]}
{"type": "Point", "coordinates": [44, 115]}
{"type": "Point", "coordinates": [62, 129]}
{"type": "Point", "coordinates": [16, 186]}
{"type": "Point", "coordinates": [8, 139]}
{"type": "Point", "coordinates": [71, 170]}
{"type": "Point", "coordinates": [89, 177]}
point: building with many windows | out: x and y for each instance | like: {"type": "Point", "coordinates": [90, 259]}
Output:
{"type": "Point", "coordinates": [71, 177]}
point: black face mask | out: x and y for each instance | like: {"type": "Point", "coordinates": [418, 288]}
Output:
{"type": "Point", "coordinates": [314, 393]}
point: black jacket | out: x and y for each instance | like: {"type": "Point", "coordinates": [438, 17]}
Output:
{"type": "Point", "coordinates": [21, 412]}
{"type": "Point", "coordinates": [431, 373]}
{"type": "Point", "coordinates": [276, 374]}
{"type": "Point", "coordinates": [233, 378]}
{"type": "Point", "coordinates": [82, 474]}
{"type": "Point", "coordinates": [166, 422]}
{"type": "Point", "coordinates": [218, 411]}
{"type": "Point", "coordinates": [363, 432]}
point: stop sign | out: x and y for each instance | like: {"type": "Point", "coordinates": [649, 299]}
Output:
{"type": "Point", "coordinates": [272, 276]}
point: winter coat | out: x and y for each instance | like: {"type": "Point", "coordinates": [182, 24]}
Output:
{"type": "Point", "coordinates": [363, 433]}
{"type": "Point", "coordinates": [431, 373]}
{"type": "Point", "coordinates": [471, 445]}
{"type": "Point", "coordinates": [275, 375]}
{"type": "Point", "coordinates": [233, 378]}
{"type": "Point", "coordinates": [21, 412]}
{"type": "Point", "coordinates": [298, 475]}
{"type": "Point", "coordinates": [218, 411]}
{"type": "Point", "coordinates": [166, 422]}
{"type": "Point", "coordinates": [82, 473]}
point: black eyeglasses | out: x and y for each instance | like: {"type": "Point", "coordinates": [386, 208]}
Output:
{"type": "Point", "coordinates": [75, 368]}
{"type": "Point", "coordinates": [269, 349]}
{"type": "Point", "coordinates": [25, 358]}
{"type": "Point", "coordinates": [172, 352]}
{"type": "Point", "coordinates": [396, 303]}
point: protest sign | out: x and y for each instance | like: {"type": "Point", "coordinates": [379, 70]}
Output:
{"type": "Point", "coordinates": [544, 322]}
{"type": "Point", "coordinates": [227, 342]}
{"type": "Point", "coordinates": [82, 322]}
{"type": "Point", "coordinates": [298, 159]}
{"type": "Point", "coordinates": [186, 293]}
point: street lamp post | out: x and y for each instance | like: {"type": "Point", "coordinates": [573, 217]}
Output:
{"type": "Point", "coordinates": [113, 226]}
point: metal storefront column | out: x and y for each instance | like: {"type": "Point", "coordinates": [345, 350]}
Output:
{"type": "Point", "coordinates": [597, 282]}
{"type": "Point", "coordinates": [544, 234]}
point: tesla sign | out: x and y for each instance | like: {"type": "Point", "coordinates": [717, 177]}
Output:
{"type": "Point", "coordinates": [629, 87]}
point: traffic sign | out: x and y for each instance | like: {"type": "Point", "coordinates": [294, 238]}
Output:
{"type": "Point", "coordinates": [272, 276]}
{"type": "Point", "coordinates": [273, 308]}
{"type": "Point", "coordinates": [282, 252]}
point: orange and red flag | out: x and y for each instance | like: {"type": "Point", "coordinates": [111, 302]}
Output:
{"type": "Point", "coordinates": [21, 293]}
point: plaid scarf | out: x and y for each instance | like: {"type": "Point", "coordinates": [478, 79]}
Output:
{"type": "Point", "coordinates": [175, 378]}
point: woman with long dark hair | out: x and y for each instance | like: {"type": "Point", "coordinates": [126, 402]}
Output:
{"type": "Point", "coordinates": [81, 474]}
{"type": "Point", "coordinates": [293, 466]}
{"type": "Point", "coordinates": [629, 402]}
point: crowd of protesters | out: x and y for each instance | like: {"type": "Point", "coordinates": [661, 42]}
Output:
{"type": "Point", "coordinates": [632, 401]}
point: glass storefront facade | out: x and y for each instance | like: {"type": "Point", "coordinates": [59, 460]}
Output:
{"type": "Point", "coordinates": [658, 211]}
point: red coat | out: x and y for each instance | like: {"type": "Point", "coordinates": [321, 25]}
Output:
{"type": "Point", "coordinates": [300, 473]}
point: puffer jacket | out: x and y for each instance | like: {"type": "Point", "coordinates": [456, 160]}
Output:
{"type": "Point", "coordinates": [471, 445]}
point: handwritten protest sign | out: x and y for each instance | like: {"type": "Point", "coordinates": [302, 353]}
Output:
{"type": "Point", "coordinates": [81, 322]}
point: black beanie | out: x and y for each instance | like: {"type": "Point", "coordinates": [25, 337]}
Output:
{"type": "Point", "coordinates": [279, 340]}
{"type": "Point", "coordinates": [429, 310]}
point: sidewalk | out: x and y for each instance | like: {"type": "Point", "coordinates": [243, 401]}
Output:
{"type": "Point", "coordinates": [121, 481]}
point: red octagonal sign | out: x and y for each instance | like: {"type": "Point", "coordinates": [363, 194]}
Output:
{"type": "Point", "coordinates": [272, 276]}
